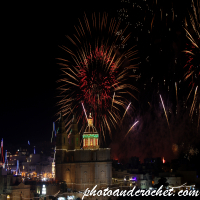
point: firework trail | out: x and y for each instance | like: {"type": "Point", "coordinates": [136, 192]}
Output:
{"type": "Point", "coordinates": [96, 71]}
{"type": "Point", "coordinates": [131, 128]}
{"type": "Point", "coordinates": [84, 111]}
{"type": "Point", "coordinates": [189, 94]}
{"type": "Point", "coordinates": [193, 103]}
{"type": "Point", "coordinates": [113, 100]}
{"type": "Point", "coordinates": [164, 111]}
{"type": "Point", "coordinates": [176, 94]}
{"type": "Point", "coordinates": [126, 111]}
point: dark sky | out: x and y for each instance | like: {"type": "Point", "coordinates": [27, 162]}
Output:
{"type": "Point", "coordinates": [31, 36]}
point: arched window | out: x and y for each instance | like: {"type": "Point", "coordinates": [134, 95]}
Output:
{"type": "Point", "coordinates": [96, 142]}
{"type": "Point", "coordinates": [86, 142]}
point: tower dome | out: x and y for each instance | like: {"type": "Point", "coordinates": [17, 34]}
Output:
{"type": "Point", "coordinates": [90, 136]}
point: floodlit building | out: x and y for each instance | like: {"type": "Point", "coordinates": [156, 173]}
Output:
{"type": "Point", "coordinates": [81, 168]}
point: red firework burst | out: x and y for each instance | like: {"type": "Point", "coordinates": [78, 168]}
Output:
{"type": "Point", "coordinates": [95, 83]}
{"type": "Point", "coordinates": [98, 77]}
{"type": "Point", "coordinates": [193, 63]}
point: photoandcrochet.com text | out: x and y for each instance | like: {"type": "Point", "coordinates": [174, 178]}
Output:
{"type": "Point", "coordinates": [139, 192]}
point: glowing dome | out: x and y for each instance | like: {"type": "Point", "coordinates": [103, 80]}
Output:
{"type": "Point", "coordinates": [90, 136]}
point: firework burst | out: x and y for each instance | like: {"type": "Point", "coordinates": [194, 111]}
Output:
{"type": "Point", "coordinates": [192, 51]}
{"type": "Point", "coordinates": [98, 76]}
{"type": "Point", "coordinates": [193, 62]}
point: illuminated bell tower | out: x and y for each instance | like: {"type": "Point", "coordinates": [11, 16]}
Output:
{"type": "Point", "coordinates": [61, 141]}
{"type": "Point", "coordinates": [90, 136]}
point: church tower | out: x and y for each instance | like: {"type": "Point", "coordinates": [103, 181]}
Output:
{"type": "Point", "coordinates": [86, 167]}
{"type": "Point", "coordinates": [90, 136]}
{"type": "Point", "coordinates": [61, 141]}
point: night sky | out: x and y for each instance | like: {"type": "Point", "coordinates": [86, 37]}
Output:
{"type": "Point", "coordinates": [32, 34]}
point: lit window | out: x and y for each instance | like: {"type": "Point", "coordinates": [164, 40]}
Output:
{"type": "Point", "coordinates": [86, 142]}
{"type": "Point", "coordinates": [91, 142]}
{"type": "Point", "coordinates": [43, 189]}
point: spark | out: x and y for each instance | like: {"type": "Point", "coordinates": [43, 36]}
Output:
{"type": "Point", "coordinates": [131, 128]}
{"type": "Point", "coordinates": [84, 111]}
{"type": "Point", "coordinates": [165, 111]}
{"type": "Point", "coordinates": [126, 111]}
{"type": "Point", "coordinates": [193, 103]}
{"type": "Point", "coordinates": [113, 100]}
{"type": "Point", "coordinates": [176, 94]}
{"type": "Point", "coordinates": [189, 94]}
